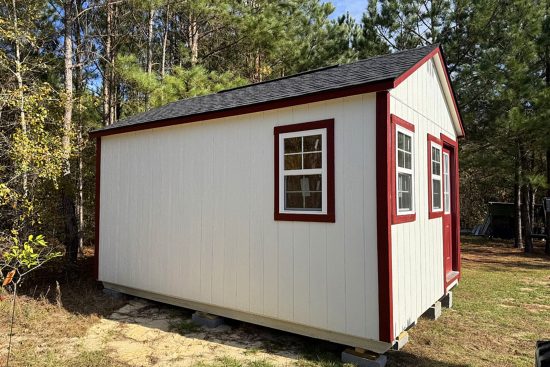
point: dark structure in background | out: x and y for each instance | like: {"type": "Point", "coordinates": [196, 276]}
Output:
{"type": "Point", "coordinates": [500, 221]}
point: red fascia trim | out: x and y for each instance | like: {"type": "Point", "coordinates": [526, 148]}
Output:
{"type": "Point", "coordinates": [97, 203]}
{"type": "Point", "coordinates": [310, 98]}
{"type": "Point", "coordinates": [432, 214]}
{"type": "Point", "coordinates": [457, 266]}
{"type": "Point", "coordinates": [408, 73]}
{"type": "Point", "coordinates": [330, 216]}
{"type": "Point", "coordinates": [396, 218]}
{"type": "Point", "coordinates": [383, 203]}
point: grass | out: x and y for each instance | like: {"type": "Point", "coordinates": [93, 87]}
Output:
{"type": "Point", "coordinates": [501, 307]}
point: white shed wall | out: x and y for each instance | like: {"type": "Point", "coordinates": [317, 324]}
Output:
{"type": "Point", "coordinates": [417, 247]}
{"type": "Point", "coordinates": [187, 212]}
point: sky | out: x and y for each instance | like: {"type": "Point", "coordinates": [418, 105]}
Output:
{"type": "Point", "coordinates": [354, 7]}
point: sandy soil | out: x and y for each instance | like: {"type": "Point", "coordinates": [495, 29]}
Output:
{"type": "Point", "coordinates": [143, 333]}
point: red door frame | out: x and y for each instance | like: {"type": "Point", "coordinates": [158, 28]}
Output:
{"type": "Point", "coordinates": [447, 212]}
{"type": "Point", "coordinates": [452, 146]}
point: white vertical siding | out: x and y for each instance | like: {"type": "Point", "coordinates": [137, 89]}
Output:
{"type": "Point", "coordinates": [187, 211]}
{"type": "Point", "coordinates": [417, 247]}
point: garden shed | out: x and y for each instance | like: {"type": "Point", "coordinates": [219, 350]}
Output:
{"type": "Point", "coordinates": [323, 203]}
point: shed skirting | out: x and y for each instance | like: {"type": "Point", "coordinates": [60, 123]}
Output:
{"type": "Point", "coordinates": [369, 344]}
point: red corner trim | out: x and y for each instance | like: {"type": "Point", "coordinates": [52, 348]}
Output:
{"type": "Point", "coordinates": [408, 73]}
{"type": "Point", "coordinates": [97, 203]}
{"type": "Point", "coordinates": [383, 203]}
{"type": "Point", "coordinates": [331, 215]}
{"type": "Point", "coordinates": [432, 214]}
{"type": "Point", "coordinates": [457, 265]}
{"type": "Point", "coordinates": [395, 218]}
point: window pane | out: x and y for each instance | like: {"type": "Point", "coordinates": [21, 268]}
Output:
{"type": "Point", "coordinates": [304, 183]}
{"type": "Point", "coordinates": [293, 145]}
{"type": "Point", "coordinates": [408, 140]}
{"type": "Point", "coordinates": [436, 168]}
{"type": "Point", "coordinates": [312, 143]}
{"type": "Point", "coordinates": [436, 194]}
{"type": "Point", "coordinates": [400, 140]}
{"type": "Point", "coordinates": [303, 192]}
{"type": "Point", "coordinates": [313, 201]}
{"type": "Point", "coordinates": [313, 160]}
{"type": "Point", "coordinates": [400, 158]}
{"type": "Point", "coordinates": [293, 161]}
{"type": "Point", "coordinates": [408, 163]}
{"type": "Point", "coordinates": [294, 201]}
{"type": "Point", "coordinates": [404, 191]}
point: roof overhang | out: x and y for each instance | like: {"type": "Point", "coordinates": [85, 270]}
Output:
{"type": "Point", "coordinates": [377, 86]}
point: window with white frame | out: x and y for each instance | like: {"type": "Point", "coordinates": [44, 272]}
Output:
{"type": "Point", "coordinates": [404, 171]}
{"type": "Point", "coordinates": [447, 183]}
{"type": "Point", "coordinates": [303, 172]}
{"type": "Point", "coordinates": [436, 177]}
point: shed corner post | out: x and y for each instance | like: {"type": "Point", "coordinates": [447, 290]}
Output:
{"type": "Point", "coordinates": [383, 203]}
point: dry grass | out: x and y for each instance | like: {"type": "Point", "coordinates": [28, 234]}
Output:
{"type": "Point", "coordinates": [501, 308]}
{"type": "Point", "coordinates": [48, 320]}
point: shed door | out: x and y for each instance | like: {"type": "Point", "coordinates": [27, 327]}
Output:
{"type": "Point", "coordinates": [447, 217]}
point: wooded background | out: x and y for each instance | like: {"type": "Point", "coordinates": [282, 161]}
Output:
{"type": "Point", "coordinates": [70, 66]}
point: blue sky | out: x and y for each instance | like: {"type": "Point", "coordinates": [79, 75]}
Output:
{"type": "Point", "coordinates": [354, 7]}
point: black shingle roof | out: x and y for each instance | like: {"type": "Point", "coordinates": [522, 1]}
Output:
{"type": "Point", "coordinates": [375, 69]}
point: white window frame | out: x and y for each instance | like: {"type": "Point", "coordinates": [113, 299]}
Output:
{"type": "Point", "coordinates": [398, 170]}
{"type": "Point", "coordinates": [446, 183]}
{"type": "Point", "coordinates": [436, 177]}
{"type": "Point", "coordinates": [298, 172]}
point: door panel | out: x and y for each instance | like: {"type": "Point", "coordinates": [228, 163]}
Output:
{"type": "Point", "coordinates": [447, 216]}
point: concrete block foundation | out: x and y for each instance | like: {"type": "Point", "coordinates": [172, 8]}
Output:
{"type": "Point", "coordinates": [364, 359]}
{"type": "Point", "coordinates": [433, 312]}
{"type": "Point", "coordinates": [447, 300]}
{"type": "Point", "coordinates": [206, 319]}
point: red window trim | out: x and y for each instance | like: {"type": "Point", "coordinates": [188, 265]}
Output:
{"type": "Point", "coordinates": [395, 217]}
{"type": "Point", "coordinates": [330, 215]}
{"type": "Point", "coordinates": [431, 213]}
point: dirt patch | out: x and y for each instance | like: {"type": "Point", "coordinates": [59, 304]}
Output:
{"type": "Point", "coordinates": [143, 333]}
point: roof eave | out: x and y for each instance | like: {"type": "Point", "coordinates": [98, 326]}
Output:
{"type": "Point", "coordinates": [377, 86]}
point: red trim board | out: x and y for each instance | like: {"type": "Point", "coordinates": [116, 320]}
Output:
{"type": "Point", "coordinates": [97, 203]}
{"type": "Point", "coordinates": [395, 218]}
{"type": "Point", "coordinates": [408, 73]}
{"type": "Point", "coordinates": [383, 203]}
{"type": "Point", "coordinates": [432, 214]}
{"type": "Point", "coordinates": [330, 216]}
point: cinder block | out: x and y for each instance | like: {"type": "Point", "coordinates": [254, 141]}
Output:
{"type": "Point", "coordinates": [401, 340]}
{"type": "Point", "coordinates": [114, 294]}
{"type": "Point", "coordinates": [364, 359]}
{"type": "Point", "coordinates": [206, 319]}
{"type": "Point", "coordinates": [447, 300]}
{"type": "Point", "coordinates": [433, 312]}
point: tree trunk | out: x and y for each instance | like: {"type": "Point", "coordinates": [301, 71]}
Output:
{"type": "Point", "coordinates": [107, 83]}
{"type": "Point", "coordinates": [193, 36]}
{"type": "Point", "coordinates": [547, 213]}
{"type": "Point", "coordinates": [518, 239]}
{"type": "Point", "coordinates": [68, 105]}
{"type": "Point", "coordinates": [71, 228]}
{"type": "Point", "coordinates": [164, 42]}
{"type": "Point", "coordinates": [19, 77]}
{"type": "Point", "coordinates": [526, 218]}
{"type": "Point", "coordinates": [149, 51]}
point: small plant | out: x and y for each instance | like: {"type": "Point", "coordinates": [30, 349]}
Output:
{"type": "Point", "coordinates": [185, 327]}
{"type": "Point", "coordinates": [20, 259]}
